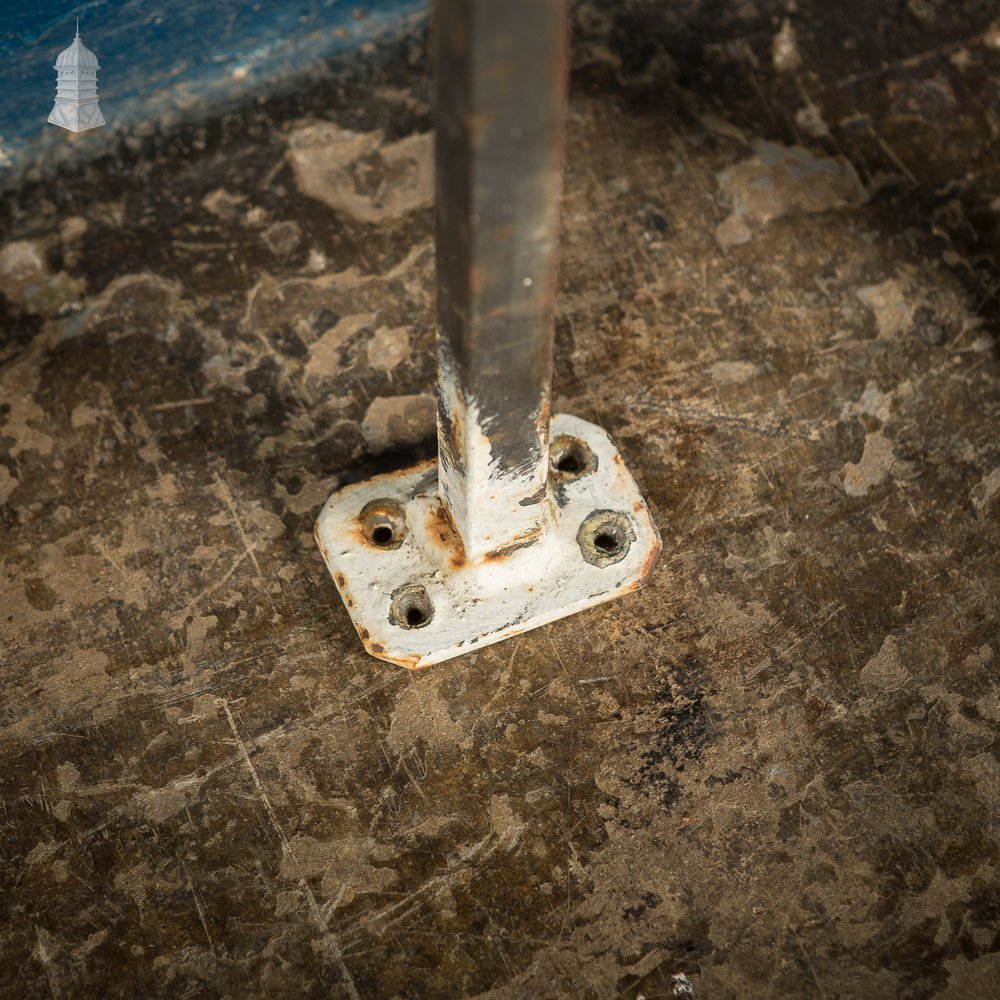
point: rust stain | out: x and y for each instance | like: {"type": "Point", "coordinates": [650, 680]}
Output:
{"type": "Point", "coordinates": [455, 442]}
{"type": "Point", "coordinates": [477, 278]}
{"type": "Point", "coordinates": [650, 561]}
{"type": "Point", "coordinates": [410, 661]}
{"type": "Point", "coordinates": [543, 419]}
{"type": "Point", "coordinates": [340, 578]}
{"type": "Point", "coordinates": [358, 534]}
{"type": "Point", "coordinates": [449, 434]}
{"type": "Point", "coordinates": [520, 542]}
{"type": "Point", "coordinates": [441, 528]}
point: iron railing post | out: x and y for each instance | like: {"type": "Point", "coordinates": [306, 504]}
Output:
{"type": "Point", "coordinates": [509, 529]}
{"type": "Point", "coordinates": [500, 111]}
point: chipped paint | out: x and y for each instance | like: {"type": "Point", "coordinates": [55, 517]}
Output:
{"type": "Point", "coordinates": [486, 499]}
{"type": "Point", "coordinates": [489, 596]}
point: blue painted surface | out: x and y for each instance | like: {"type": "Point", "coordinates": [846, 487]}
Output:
{"type": "Point", "coordinates": [174, 56]}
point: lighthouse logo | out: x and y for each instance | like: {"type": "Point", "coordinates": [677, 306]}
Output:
{"type": "Point", "coordinates": [76, 106]}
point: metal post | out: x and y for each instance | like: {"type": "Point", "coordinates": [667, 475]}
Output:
{"type": "Point", "coordinates": [500, 103]}
{"type": "Point", "coordinates": [509, 529]}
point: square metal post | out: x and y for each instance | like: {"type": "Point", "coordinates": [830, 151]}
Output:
{"type": "Point", "coordinates": [508, 530]}
{"type": "Point", "coordinates": [500, 106]}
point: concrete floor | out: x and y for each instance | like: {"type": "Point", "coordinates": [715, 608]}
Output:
{"type": "Point", "coordinates": [772, 773]}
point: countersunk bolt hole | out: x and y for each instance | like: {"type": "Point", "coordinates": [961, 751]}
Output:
{"type": "Point", "coordinates": [610, 539]}
{"type": "Point", "coordinates": [411, 607]}
{"type": "Point", "coordinates": [605, 537]}
{"type": "Point", "coordinates": [570, 458]}
{"type": "Point", "coordinates": [570, 462]}
{"type": "Point", "coordinates": [383, 524]}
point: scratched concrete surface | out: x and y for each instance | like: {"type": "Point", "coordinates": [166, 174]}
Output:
{"type": "Point", "coordinates": [773, 773]}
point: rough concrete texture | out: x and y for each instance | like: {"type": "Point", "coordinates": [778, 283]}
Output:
{"type": "Point", "coordinates": [773, 773]}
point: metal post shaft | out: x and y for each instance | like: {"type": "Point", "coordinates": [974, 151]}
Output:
{"type": "Point", "coordinates": [500, 105]}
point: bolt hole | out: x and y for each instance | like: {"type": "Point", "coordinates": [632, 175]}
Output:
{"type": "Point", "coordinates": [382, 535]}
{"type": "Point", "coordinates": [570, 458]}
{"type": "Point", "coordinates": [609, 539]}
{"type": "Point", "coordinates": [570, 462]}
{"type": "Point", "coordinates": [411, 607]}
{"type": "Point", "coordinates": [383, 524]}
{"type": "Point", "coordinates": [605, 537]}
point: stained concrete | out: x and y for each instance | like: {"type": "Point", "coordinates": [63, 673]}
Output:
{"type": "Point", "coordinates": [773, 773]}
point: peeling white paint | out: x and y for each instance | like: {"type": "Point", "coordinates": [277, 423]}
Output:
{"type": "Point", "coordinates": [480, 601]}
{"type": "Point", "coordinates": [485, 501]}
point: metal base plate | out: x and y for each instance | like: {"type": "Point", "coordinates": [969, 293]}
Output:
{"type": "Point", "coordinates": [416, 599]}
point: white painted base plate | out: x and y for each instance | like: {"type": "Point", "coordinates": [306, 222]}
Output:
{"type": "Point", "coordinates": [416, 600]}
